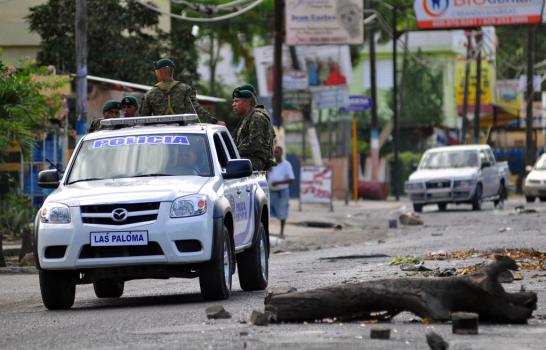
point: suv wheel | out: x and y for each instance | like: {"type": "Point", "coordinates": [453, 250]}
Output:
{"type": "Point", "coordinates": [477, 200]}
{"type": "Point", "coordinates": [58, 289]}
{"type": "Point", "coordinates": [253, 264]}
{"type": "Point", "coordinates": [529, 199]}
{"type": "Point", "coordinates": [109, 288]}
{"type": "Point", "coordinates": [418, 208]}
{"type": "Point", "coordinates": [215, 277]}
{"type": "Point", "coordinates": [442, 206]}
{"type": "Point", "coordinates": [503, 194]}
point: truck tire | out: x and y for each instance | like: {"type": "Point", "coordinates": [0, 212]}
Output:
{"type": "Point", "coordinates": [58, 289]}
{"type": "Point", "coordinates": [418, 208]}
{"type": "Point", "coordinates": [253, 264]}
{"type": "Point", "coordinates": [503, 194]}
{"type": "Point", "coordinates": [529, 199]}
{"type": "Point", "coordinates": [109, 288]}
{"type": "Point", "coordinates": [215, 277]}
{"type": "Point", "coordinates": [542, 199]}
{"type": "Point", "coordinates": [442, 206]}
{"type": "Point", "coordinates": [477, 199]}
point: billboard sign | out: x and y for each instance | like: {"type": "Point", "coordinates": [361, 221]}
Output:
{"type": "Point", "coordinates": [323, 22]}
{"type": "Point", "coordinates": [433, 14]}
{"type": "Point", "coordinates": [358, 103]}
{"type": "Point", "coordinates": [487, 86]}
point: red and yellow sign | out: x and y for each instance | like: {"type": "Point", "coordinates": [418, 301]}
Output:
{"type": "Point", "coordinates": [487, 86]}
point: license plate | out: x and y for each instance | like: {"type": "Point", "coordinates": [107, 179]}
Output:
{"type": "Point", "coordinates": [119, 238]}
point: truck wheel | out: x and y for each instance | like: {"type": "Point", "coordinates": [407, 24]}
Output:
{"type": "Point", "coordinates": [502, 195]}
{"type": "Point", "coordinates": [253, 264]}
{"type": "Point", "coordinates": [442, 206]}
{"type": "Point", "coordinates": [109, 288]}
{"type": "Point", "coordinates": [477, 200]}
{"type": "Point", "coordinates": [418, 208]}
{"type": "Point", "coordinates": [542, 199]}
{"type": "Point", "coordinates": [58, 289]}
{"type": "Point", "coordinates": [529, 199]}
{"type": "Point", "coordinates": [215, 277]}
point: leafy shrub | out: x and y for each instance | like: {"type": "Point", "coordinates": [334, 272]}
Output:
{"type": "Point", "coordinates": [407, 161]}
{"type": "Point", "coordinates": [15, 213]}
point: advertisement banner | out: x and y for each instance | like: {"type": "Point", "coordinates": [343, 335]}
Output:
{"type": "Point", "coordinates": [316, 184]}
{"type": "Point", "coordinates": [322, 22]}
{"type": "Point", "coordinates": [331, 97]}
{"type": "Point", "coordinates": [487, 84]}
{"type": "Point", "coordinates": [321, 66]}
{"type": "Point", "coordinates": [509, 96]}
{"type": "Point", "coordinates": [434, 14]}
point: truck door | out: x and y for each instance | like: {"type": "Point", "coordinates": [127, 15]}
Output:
{"type": "Point", "coordinates": [488, 175]}
{"type": "Point", "coordinates": [243, 210]}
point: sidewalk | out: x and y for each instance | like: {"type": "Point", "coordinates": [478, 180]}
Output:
{"type": "Point", "coordinates": [351, 223]}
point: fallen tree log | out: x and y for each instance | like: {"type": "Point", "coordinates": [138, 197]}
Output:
{"type": "Point", "coordinates": [431, 298]}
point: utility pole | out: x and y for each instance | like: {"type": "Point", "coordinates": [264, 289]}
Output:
{"type": "Point", "coordinates": [468, 34]}
{"type": "Point", "coordinates": [396, 126]}
{"type": "Point", "coordinates": [277, 63]}
{"type": "Point", "coordinates": [373, 85]}
{"type": "Point", "coordinates": [530, 154]}
{"type": "Point", "coordinates": [81, 66]}
{"type": "Point", "coordinates": [478, 99]}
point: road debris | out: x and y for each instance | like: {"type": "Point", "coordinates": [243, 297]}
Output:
{"type": "Point", "coordinates": [258, 318]}
{"type": "Point", "coordinates": [380, 333]}
{"type": "Point", "coordinates": [278, 291]}
{"type": "Point", "coordinates": [320, 224]}
{"type": "Point", "coordinates": [432, 298]}
{"type": "Point", "coordinates": [355, 256]}
{"type": "Point", "coordinates": [437, 255]}
{"type": "Point", "coordinates": [400, 259]}
{"type": "Point", "coordinates": [505, 229]}
{"type": "Point", "coordinates": [435, 341]}
{"type": "Point", "coordinates": [410, 219]}
{"type": "Point", "coordinates": [414, 267]}
{"type": "Point", "coordinates": [464, 323]}
{"type": "Point", "coordinates": [393, 223]}
{"type": "Point", "coordinates": [506, 277]}
{"type": "Point", "coordinates": [520, 209]}
{"type": "Point", "coordinates": [526, 258]}
{"type": "Point", "coordinates": [217, 312]}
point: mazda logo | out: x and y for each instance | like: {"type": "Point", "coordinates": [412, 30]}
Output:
{"type": "Point", "coordinates": [119, 214]}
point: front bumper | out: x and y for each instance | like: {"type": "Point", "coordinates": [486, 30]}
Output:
{"type": "Point", "coordinates": [163, 235]}
{"type": "Point", "coordinates": [449, 194]}
{"type": "Point", "coordinates": [535, 190]}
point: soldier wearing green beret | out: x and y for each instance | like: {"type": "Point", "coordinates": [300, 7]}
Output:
{"type": "Point", "coordinates": [110, 109]}
{"type": "Point", "coordinates": [169, 96]}
{"type": "Point", "coordinates": [129, 106]}
{"type": "Point", "coordinates": [254, 134]}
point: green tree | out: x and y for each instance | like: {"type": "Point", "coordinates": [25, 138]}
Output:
{"type": "Point", "coordinates": [183, 49]}
{"type": "Point", "coordinates": [24, 109]}
{"type": "Point", "coordinates": [512, 50]}
{"type": "Point", "coordinates": [123, 38]}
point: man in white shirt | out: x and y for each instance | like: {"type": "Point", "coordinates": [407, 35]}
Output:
{"type": "Point", "coordinates": [279, 178]}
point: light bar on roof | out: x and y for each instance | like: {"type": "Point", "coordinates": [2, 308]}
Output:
{"type": "Point", "coordinates": [172, 118]}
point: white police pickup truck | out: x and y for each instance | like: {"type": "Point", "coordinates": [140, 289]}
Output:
{"type": "Point", "coordinates": [152, 197]}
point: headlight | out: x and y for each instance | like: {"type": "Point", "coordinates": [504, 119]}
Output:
{"type": "Point", "coordinates": [414, 186]}
{"type": "Point", "coordinates": [55, 213]}
{"type": "Point", "coordinates": [463, 183]}
{"type": "Point", "coordinates": [189, 206]}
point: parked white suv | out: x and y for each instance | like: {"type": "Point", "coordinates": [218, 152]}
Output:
{"type": "Point", "coordinates": [152, 198]}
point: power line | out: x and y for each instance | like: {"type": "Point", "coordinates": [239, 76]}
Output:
{"type": "Point", "coordinates": [202, 20]}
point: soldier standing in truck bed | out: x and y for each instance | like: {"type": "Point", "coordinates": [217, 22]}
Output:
{"type": "Point", "coordinates": [169, 96]}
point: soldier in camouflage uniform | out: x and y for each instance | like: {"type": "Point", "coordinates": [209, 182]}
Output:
{"type": "Point", "coordinates": [169, 96]}
{"type": "Point", "coordinates": [129, 106]}
{"type": "Point", "coordinates": [254, 135]}
{"type": "Point", "coordinates": [110, 109]}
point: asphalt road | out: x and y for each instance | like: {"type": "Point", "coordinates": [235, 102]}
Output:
{"type": "Point", "coordinates": [171, 314]}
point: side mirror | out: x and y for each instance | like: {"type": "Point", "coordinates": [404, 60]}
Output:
{"type": "Point", "coordinates": [237, 168]}
{"type": "Point", "coordinates": [486, 165]}
{"type": "Point", "coordinates": [413, 167]}
{"type": "Point", "coordinates": [528, 168]}
{"type": "Point", "coordinates": [48, 178]}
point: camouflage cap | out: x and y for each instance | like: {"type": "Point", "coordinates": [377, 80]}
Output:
{"type": "Point", "coordinates": [244, 91]}
{"type": "Point", "coordinates": [110, 105]}
{"type": "Point", "coordinates": [129, 101]}
{"type": "Point", "coordinates": [164, 62]}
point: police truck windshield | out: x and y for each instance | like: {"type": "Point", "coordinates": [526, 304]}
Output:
{"type": "Point", "coordinates": [142, 156]}
{"type": "Point", "coordinates": [450, 159]}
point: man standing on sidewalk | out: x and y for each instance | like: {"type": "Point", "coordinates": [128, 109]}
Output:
{"type": "Point", "coordinates": [280, 176]}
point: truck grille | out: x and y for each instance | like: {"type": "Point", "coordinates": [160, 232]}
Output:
{"type": "Point", "coordinates": [119, 214]}
{"type": "Point", "coordinates": [89, 252]}
{"type": "Point", "coordinates": [438, 184]}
